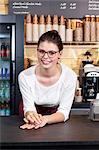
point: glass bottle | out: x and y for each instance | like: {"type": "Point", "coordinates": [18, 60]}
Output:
{"type": "Point", "coordinates": [78, 32]}
{"type": "Point", "coordinates": [2, 111]}
{"type": "Point", "coordinates": [2, 90]}
{"type": "Point", "coordinates": [29, 28]}
{"type": "Point", "coordinates": [48, 23]}
{"type": "Point", "coordinates": [55, 23]}
{"type": "Point", "coordinates": [41, 25]}
{"type": "Point", "coordinates": [69, 31]}
{"type": "Point", "coordinates": [0, 74]}
{"type": "Point", "coordinates": [97, 28]}
{"type": "Point", "coordinates": [87, 28]}
{"type": "Point", "coordinates": [35, 28]}
{"type": "Point", "coordinates": [7, 90]}
{"type": "Point", "coordinates": [62, 28]}
{"type": "Point", "coordinates": [7, 108]}
{"type": "Point", "coordinates": [8, 51]}
{"type": "Point", "coordinates": [93, 28]}
{"type": "Point", "coordinates": [3, 50]}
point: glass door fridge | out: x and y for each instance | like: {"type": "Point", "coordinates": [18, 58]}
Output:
{"type": "Point", "coordinates": [7, 66]}
{"type": "Point", "coordinates": [11, 62]}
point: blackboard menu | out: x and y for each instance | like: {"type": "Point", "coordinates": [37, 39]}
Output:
{"type": "Point", "coordinates": [68, 8]}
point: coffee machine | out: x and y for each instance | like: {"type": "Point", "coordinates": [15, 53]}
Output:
{"type": "Point", "coordinates": [90, 82]}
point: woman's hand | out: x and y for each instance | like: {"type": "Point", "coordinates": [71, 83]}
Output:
{"type": "Point", "coordinates": [43, 123]}
{"type": "Point", "coordinates": [34, 125]}
{"type": "Point", "coordinates": [32, 117]}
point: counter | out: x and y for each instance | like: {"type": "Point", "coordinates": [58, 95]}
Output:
{"type": "Point", "coordinates": [79, 132]}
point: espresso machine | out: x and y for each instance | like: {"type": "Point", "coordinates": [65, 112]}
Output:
{"type": "Point", "coordinates": [89, 78]}
{"type": "Point", "coordinates": [90, 82]}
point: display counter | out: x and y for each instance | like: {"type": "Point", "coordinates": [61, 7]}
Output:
{"type": "Point", "coordinates": [79, 132]}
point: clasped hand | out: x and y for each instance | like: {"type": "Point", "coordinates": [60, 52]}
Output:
{"type": "Point", "coordinates": [33, 120]}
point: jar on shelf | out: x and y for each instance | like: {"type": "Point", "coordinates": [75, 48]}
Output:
{"type": "Point", "coordinates": [28, 28]}
{"type": "Point", "coordinates": [93, 28]}
{"type": "Point", "coordinates": [69, 31]}
{"type": "Point", "coordinates": [97, 28]}
{"type": "Point", "coordinates": [87, 28]}
{"type": "Point", "coordinates": [78, 32]}
{"type": "Point", "coordinates": [41, 25]}
{"type": "Point", "coordinates": [55, 23]}
{"type": "Point", "coordinates": [48, 23]}
{"type": "Point", "coordinates": [35, 28]}
{"type": "Point", "coordinates": [78, 95]}
{"type": "Point", "coordinates": [62, 28]}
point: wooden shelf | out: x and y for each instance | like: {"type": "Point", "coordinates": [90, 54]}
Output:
{"type": "Point", "coordinates": [69, 43]}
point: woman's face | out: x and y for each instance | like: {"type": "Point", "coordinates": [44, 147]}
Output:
{"type": "Point", "coordinates": [48, 54]}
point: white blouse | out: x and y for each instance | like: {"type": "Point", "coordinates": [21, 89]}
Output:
{"type": "Point", "coordinates": [61, 93]}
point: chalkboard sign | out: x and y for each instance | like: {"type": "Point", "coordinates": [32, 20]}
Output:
{"type": "Point", "coordinates": [68, 8]}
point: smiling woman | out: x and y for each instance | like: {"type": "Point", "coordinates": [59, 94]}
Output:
{"type": "Point", "coordinates": [47, 88]}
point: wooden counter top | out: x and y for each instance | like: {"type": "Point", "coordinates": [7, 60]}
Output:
{"type": "Point", "coordinates": [78, 130]}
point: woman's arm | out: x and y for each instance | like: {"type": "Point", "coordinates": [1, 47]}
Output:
{"type": "Point", "coordinates": [30, 112]}
{"type": "Point", "coordinates": [66, 100]}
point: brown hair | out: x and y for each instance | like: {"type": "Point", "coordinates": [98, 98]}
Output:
{"type": "Point", "coordinates": [52, 36]}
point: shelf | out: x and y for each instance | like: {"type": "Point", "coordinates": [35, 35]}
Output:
{"type": "Point", "coordinates": [5, 59]}
{"type": "Point", "coordinates": [4, 99]}
{"type": "Point", "coordinates": [69, 43]}
{"type": "Point", "coordinates": [3, 36]}
{"type": "Point", "coordinates": [4, 79]}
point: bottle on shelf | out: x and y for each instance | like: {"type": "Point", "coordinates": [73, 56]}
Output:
{"type": "Point", "coordinates": [55, 23]}
{"type": "Point", "coordinates": [7, 108]}
{"type": "Point", "coordinates": [0, 74]}
{"type": "Point", "coordinates": [1, 89]}
{"type": "Point", "coordinates": [3, 50]}
{"type": "Point", "coordinates": [62, 28]}
{"type": "Point", "coordinates": [87, 28]}
{"type": "Point", "coordinates": [35, 28]}
{"type": "Point", "coordinates": [4, 73]}
{"type": "Point", "coordinates": [92, 28]}
{"type": "Point", "coordinates": [2, 108]}
{"type": "Point", "coordinates": [78, 95]}
{"type": "Point", "coordinates": [2, 93]}
{"type": "Point", "coordinates": [78, 32]}
{"type": "Point", "coordinates": [69, 31]}
{"type": "Point", "coordinates": [48, 23]}
{"type": "Point", "coordinates": [97, 28]}
{"type": "Point", "coordinates": [7, 90]}
{"type": "Point", "coordinates": [7, 50]}
{"type": "Point", "coordinates": [29, 28]}
{"type": "Point", "coordinates": [0, 53]}
{"type": "Point", "coordinates": [41, 25]}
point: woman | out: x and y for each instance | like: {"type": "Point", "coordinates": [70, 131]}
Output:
{"type": "Point", "coordinates": [48, 88]}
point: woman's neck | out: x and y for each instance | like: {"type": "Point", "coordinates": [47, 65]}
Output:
{"type": "Point", "coordinates": [50, 72]}
{"type": "Point", "coordinates": [48, 77]}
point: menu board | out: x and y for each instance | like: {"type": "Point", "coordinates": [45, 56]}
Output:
{"type": "Point", "coordinates": [68, 8]}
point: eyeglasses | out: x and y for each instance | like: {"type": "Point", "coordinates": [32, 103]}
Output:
{"type": "Point", "coordinates": [50, 54]}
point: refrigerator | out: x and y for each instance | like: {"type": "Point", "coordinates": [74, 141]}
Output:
{"type": "Point", "coordinates": [11, 62]}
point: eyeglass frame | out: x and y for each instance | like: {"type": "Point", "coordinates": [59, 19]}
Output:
{"type": "Point", "coordinates": [54, 53]}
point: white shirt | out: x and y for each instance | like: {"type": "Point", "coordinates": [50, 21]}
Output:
{"type": "Point", "coordinates": [61, 93]}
